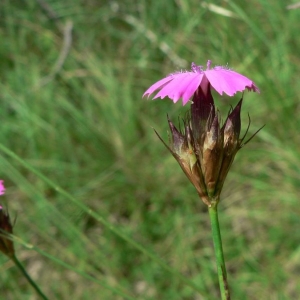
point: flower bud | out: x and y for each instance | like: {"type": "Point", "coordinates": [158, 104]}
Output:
{"type": "Point", "coordinates": [212, 156]}
{"type": "Point", "coordinates": [183, 149]}
{"type": "Point", "coordinates": [6, 245]}
{"type": "Point", "coordinates": [232, 143]}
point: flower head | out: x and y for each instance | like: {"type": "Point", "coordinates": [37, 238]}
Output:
{"type": "Point", "coordinates": [204, 148]}
{"type": "Point", "coordinates": [185, 84]}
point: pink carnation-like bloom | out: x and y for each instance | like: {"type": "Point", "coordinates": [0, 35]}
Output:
{"type": "Point", "coordinates": [2, 188]}
{"type": "Point", "coordinates": [185, 84]}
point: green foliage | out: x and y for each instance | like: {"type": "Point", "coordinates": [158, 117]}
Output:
{"type": "Point", "coordinates": [72, 74]}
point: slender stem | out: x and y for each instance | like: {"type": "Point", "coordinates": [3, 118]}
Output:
{"type": "Point", "coordinates": [222, 275]}
{"type": "Point", "coordinates": [33, 284]}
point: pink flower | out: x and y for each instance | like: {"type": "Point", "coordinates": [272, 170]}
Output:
{"type": "Point", "coordinates": [185, 84]}
{"type": "Point", "coordinates": [2, 188]}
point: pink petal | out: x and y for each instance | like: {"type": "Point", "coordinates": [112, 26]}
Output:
{"type": "Point", "coordinates": [191, 88]}
{"type": "Point", "coordinates": [2, 188]}
{"type": "Point", "coordinates": [228, 81]}
{"type": "Point", "coordinates": [182, 86]}
{"type": "Point", "coordinates": [158, 85]}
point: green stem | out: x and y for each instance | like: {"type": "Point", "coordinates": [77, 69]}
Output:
{"type": "Point", "coordinates": [33, 284]}
{"type": "Point", "coordinates": [222, 275]}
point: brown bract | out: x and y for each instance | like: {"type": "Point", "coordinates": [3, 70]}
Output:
{"type": "Point", "coordinates": [6, 245]}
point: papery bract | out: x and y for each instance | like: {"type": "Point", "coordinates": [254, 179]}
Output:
{"type": "Point", "coordinates": [184, 84]}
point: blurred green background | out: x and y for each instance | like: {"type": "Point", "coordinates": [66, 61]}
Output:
{"type": "Point", "coordinates": [72, 75]}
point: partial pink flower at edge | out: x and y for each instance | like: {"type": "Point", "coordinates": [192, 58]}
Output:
{"type": "Point", "coordinates": [2, 187]}
{"type": "Point", "coordinates": [184, 84]}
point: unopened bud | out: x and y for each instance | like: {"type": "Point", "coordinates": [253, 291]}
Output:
{"type": "Point", "coordinates": [6, 245]}
{"type": "Point", "coordinates": [182, 147]}
{"type": "Point", "coordinates": [212, 156]}
{"type": "Point", "coordinates": [232, 143]}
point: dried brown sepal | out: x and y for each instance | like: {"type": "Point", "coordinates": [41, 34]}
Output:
{"type": "Point", "coordinates": [183, 151]}
{"type": "Point", "coordinates": [212, 156]}
{"type": "Point", "coordinates": [232, 143]}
